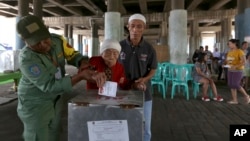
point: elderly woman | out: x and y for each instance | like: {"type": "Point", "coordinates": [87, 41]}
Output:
{"type": "Point", "coordinates": [202, 75]}
{"type": "Point", "coordinates": [107, 62]}
{"type": "Point", "coordinates": [235, 61]}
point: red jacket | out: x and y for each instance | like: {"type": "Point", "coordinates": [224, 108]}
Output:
{"type": "Point", "coordinates": [118, 73]}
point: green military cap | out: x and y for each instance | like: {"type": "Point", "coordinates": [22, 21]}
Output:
{"type": "Point", "coordinates": [32, 29]}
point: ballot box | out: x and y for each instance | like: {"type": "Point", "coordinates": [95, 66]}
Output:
{"type": "Point", "coordinates": [92, 117]}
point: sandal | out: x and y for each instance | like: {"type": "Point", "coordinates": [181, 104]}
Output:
{"type": "Point", "coordinates": [232, 102]}
{"type": "Point", "coordinates": [248, 100]}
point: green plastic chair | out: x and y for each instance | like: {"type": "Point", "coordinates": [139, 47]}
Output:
{"type": "Point", "coordinates": [158, 80]}
{"type": "Point", "coordinates": [180, 78]}
{"type": "Point", "coordinates": [190, 71]}
{"type": "Point", "coordinates": [196, 89]}
{"type": "Point", "coordinates": [166, 74]}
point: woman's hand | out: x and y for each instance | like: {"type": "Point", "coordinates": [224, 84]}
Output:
{"type": "Point", "coordinates": [233, 67]}
{"type": "Point", "coordinates": [99, 78]}
{"type": "Point", "coordinates": [90, 75]}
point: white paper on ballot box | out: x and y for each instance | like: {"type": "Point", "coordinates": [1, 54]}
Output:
{"type": "Point", "coordinates": [108, 130]}
{"type": "Point", "coordinates": [108, 89]}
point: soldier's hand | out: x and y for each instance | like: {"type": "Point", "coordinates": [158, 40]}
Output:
{"type": "Point", "coordinates": [83, 67]}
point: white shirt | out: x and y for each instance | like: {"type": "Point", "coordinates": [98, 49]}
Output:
{"type": "Point", "coordinates": [216, 54]}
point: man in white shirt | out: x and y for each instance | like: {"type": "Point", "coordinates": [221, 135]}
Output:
{"type": "Point", "coordinates": [216, 53]}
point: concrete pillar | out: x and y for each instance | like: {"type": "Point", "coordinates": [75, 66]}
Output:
{"type": "Point", "coordinates": [113, 5]}
{"type": "Point", "coordinates": [218, 36]}
{"type": "Point", "coordinates": [177, 4]}
{"type": "Point", "coordinates": [239, 20]}
{"type": "Point", "coordinates": [247, 4]}
{"type": "Point", "coordinates": [226, 28]}
{"type": "Point", "coordinates": [113, 20]}
{"type": "Point", "coordinates": [241, 6]}
{"type": "Point", "coordinates": [239, 27]}
{"type": "Point", "coordinates": [164, 37]}
{"type": "Point", "coordinates": [95, 40]}
{"type": "Point", "coordinates": [66, 31]}
{"type": "Point", "coordinates": [87, 43]}
{"type": "Point", "coordinates": [218, 40]}
{"type": "Point", "coordinates": [23, 10]}
{"type": "Point", "coordinates": [112, 25]}
{"type": "Point", "coordinates": [194, 40]}
{"type": "Point", "coordinates": [122, 29]}
{"type": "Point", "coordinates": [70, 32]}
{"type": "Point", "coordinates": [80, 43]}
{"type": "Point", "coordinates": [247, 23]}
{"type": "Point", "coordinates": [178, 36]}
{"type": "Point", "coordinates": [70, 35]}
{"type": "Point", "coordinates": [37, 8]}
{"type": "Point", "coordinates": [178, 32]}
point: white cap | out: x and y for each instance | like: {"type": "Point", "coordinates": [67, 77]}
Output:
{"type": "Point", "coordinates": [137, 17]}
{"type": "Point", "coordinates": [110, 44]}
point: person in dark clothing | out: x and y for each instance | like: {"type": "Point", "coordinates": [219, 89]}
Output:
{"type": "Point", "coordinates": [220, 63]}
{"type": "Point", "coordinates": [195, 55]}
{"type": "Point", "coordinates": [140, 63]}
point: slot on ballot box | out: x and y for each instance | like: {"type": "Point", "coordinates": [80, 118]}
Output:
{"type": "Point", "coordinates": [121, 115]}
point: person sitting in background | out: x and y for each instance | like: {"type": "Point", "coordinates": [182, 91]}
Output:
{"type": "Point", "coordinates": [108, 63]}
{"type": "Point", "coordinates": [202, 75]}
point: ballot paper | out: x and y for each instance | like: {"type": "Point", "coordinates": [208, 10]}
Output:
{"type": "Point", "coordinates": [108, 130]}
{"type": "Point", "coordinates": [108, 89]}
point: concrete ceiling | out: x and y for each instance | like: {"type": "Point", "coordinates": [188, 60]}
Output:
{"type": "Point", "coordinates": [95, 9]}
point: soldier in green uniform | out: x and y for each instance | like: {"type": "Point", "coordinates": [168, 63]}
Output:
{"type": "Point", "coordinates": [42, 63]}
